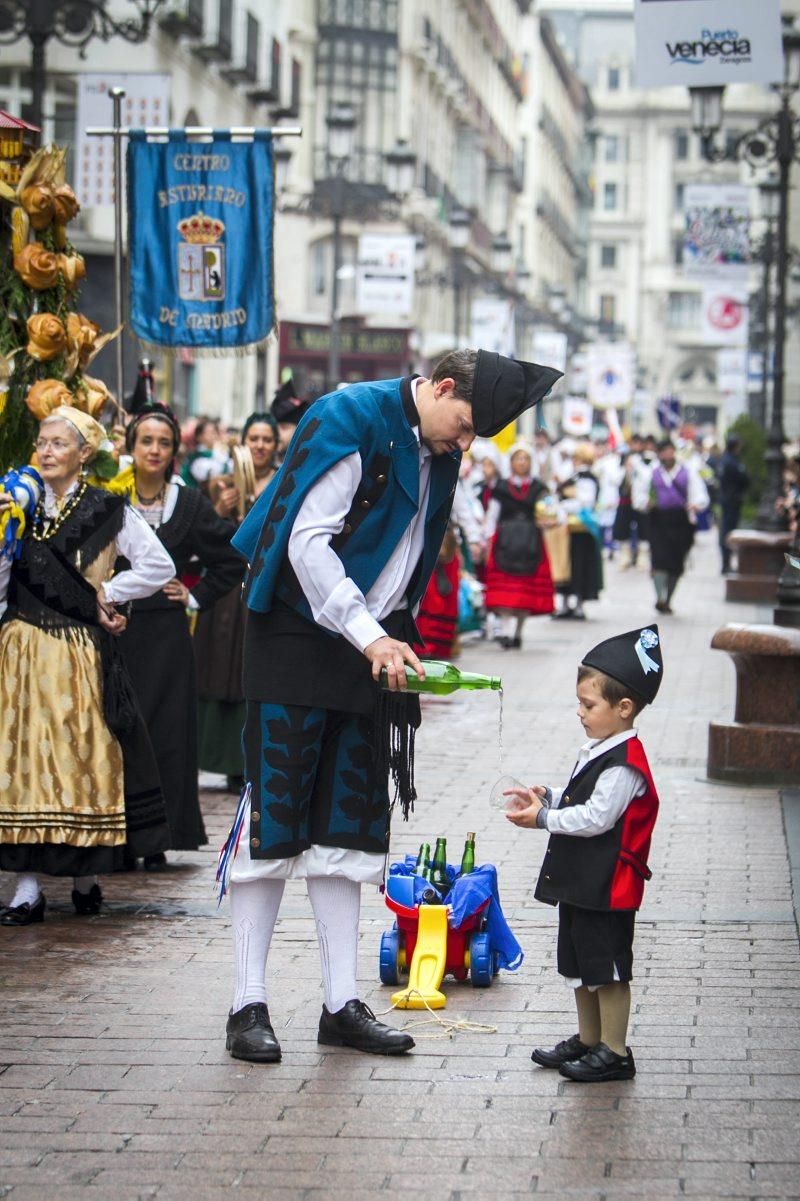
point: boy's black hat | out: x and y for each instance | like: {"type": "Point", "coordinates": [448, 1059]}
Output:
{"type": "Point", "coordinates": [503, 388]}
{"type": "Point", "coordinates": [633, 659]}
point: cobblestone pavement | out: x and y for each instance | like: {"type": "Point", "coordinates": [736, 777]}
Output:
{"type": "Point", "coordinates": [115, 1084]}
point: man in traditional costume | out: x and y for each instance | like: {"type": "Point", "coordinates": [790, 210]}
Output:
{"type": "Point", "coordinates": [341, 547]}
{"type": "Point", "coordinates": [77, 775]}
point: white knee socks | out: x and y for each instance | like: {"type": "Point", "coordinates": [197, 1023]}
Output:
{"type": "Point", "coordinates": [27, 892]}
{"type": "Point", "coordinates": [336, 903]}
{"type": "Point", "coordinates": [254, 911]}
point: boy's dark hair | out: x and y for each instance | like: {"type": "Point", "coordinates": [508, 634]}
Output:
{"type": "Point", "coordinates": [458, 365]}
{"type": "Point", "coordinates": [612, 690]}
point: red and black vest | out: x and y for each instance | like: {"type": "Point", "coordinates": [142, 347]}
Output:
{"type": "Point", "coordinates": [607, 871]}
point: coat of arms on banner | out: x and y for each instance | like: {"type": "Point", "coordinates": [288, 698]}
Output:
{"type": "Point", "coordinates": [201, 258]}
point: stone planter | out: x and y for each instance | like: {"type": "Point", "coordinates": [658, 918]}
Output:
{"type": "Point", "coordinates": [762, 744]}
{"type": "Point", "coordinates": [760, 558]}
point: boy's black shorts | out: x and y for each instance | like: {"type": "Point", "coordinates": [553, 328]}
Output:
{"type": "Point", "coordinates": [592, 942]}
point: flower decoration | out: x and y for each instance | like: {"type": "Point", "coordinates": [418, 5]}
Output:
{"type": "Point", "coordinates": [46, 395]}
{"type": "Point", "coordinates": [47, 337]}
{"type": "Point", "coordinates": [73, 268]}
{"type": "Point", "coordinates": [94, 395]}
{"type": "Point", "coordinates": [38, 202]}
{"type": "Point", "coordinates": [65, 204]}
{"type": "Point", "coordinates": [37, 266]}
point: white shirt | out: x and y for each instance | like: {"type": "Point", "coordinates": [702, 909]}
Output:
{"type": "Point", "coordinates": [336, 601]}
{"type": "Point", "coordinates": [151, 566]}
{"type": "Point", "coordinates": [613, 792]}
{"type": "Point", "coordinates": [696, 491]}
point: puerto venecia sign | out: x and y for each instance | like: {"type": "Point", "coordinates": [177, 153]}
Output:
{"type": "Point", "coordinates": [697, 43]}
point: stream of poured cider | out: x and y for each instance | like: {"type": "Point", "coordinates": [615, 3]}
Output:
{"type": "Point", "coordinates": [500, 731]}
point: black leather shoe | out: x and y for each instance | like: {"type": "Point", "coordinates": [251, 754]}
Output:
{"type": "Point", "coordinates": [155, 863]}
{"type": "Point", "coordinates": [355, 1025]}
{"type": "Point", "coordinates": [600, 1064]}
{"type": "Point", "coordinates": [87, 902]}
{"type": "Point", "coordinates": [24, 915]}
{"type": "Point", "coordinates": [249, 1035]}
{"type": "Point", "coordinates": [570, 1048]}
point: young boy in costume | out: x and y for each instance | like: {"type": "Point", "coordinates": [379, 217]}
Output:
{"type": "Point", "coordinates": [595, 865]}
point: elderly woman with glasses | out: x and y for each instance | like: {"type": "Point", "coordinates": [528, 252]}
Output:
{"type": "Point", "coordinates": [78, 779]}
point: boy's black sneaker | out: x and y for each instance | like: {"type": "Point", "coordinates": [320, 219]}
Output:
{"type": "Point", "coordinates": [599, 1065]}
{"type": "Point", "coordinates": [564, 1052]}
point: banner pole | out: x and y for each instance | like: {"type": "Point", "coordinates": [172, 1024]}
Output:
{"type": "Point", "coordinates": [117, 95]}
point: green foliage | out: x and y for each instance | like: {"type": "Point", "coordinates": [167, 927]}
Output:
{"type": "Point", "coordinates": [754, 447]}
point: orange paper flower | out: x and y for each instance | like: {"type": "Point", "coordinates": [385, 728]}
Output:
{"type": "Point", "coordinates": [47, 337]}
{"type": "Point", "coordinates": [65, 203]}
{"type": "Point", "coordinates": [95, 395]}
{"type": "Point", "coordinates": [36, 266]}
{"type": "Point", "coordinates": [39, 203]}
{"type": "Point", "coordinates": [73, 268]}
{"type": "Point", "coordinates": [47, 395]}
{"type": "Point", "coordinates": [81, 337]}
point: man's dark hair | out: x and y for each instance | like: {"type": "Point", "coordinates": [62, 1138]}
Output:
{"type": "Point", "coordinates": [612, 690]}
{"type": "Point", "coordinates": [459, 366]}
{"type": "Point", "coordinates": [733, 443]}
{"type": "Point", "coordinates": [665, 444]}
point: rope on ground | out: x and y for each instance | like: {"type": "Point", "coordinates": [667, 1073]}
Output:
{"type": "Point", "coordinates": [448, 1027]}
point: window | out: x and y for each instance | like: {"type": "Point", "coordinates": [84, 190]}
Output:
{"type": "Point", "coordinates": [609, 197]}
{"type": "Point", "coordinates": [608, 309]}
{"type": "Point", "coordinates": [683, 310]}
{"type": "Point", "coordinates": [608, 256]}
{"type": "Point", "coordinates": [681, 145]}
{"type": "Point", "coordinates": [611, 148]}
{"type": "Point", "coordinates": [613, 79]}
{"type": "Point", "coordinates": [680, 196]}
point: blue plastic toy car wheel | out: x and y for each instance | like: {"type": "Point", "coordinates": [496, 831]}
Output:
{"type": "Point", "coordinates": [390, 947]}
{"type": "Point", "coordinates": [481, 961]}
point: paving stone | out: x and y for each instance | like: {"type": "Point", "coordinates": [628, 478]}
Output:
{"type": "Point", "coordinates": [114, 1080]}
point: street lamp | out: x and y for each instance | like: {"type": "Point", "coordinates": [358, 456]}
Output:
{"type": "Point", "coordinates": [775, 140]}
{"type": "Point", "coordinates": [770, 201]}
{"type": "Point", "coordinates": [501, 254]}
{"type": "Point", "coordinates": [460, 226]}
{"type": "Point", "coordinates": [401, 166]}
{"type": "Point", "coordinates": [71, 22]}
{"type": "Point", "coordinates": [341, 123]}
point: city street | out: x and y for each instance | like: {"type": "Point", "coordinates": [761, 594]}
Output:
{"type": "Point", "coordinates": [114, 1079]}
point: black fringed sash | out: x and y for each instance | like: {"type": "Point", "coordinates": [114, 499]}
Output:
{"type": "Point", "coordinates": [397, 719]}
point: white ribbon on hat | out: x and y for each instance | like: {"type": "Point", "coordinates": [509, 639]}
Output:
{"type": "Point", "coordinates": [647, 664]}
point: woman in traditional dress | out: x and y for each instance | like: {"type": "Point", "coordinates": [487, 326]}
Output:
{"type": "Point", "coordinates": [219, 635]}
{"type": "Point", "coordinates": [518, 579]}
{"type": "Point", "coordinates": [579, 495]}
{"type": "Point", "coordinates": [77, 775]}
{"type": "Point", "coordinates": [157, 644]}
{"type": "Point", "coordinates": [677, 493]}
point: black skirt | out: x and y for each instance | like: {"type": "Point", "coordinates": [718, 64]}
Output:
{"type": "Point", "coordinates": [671, 539]}
{"type": "Point", "coordinates": [158, 652]}
{"type": "Point", "coordinates": [586, 579]}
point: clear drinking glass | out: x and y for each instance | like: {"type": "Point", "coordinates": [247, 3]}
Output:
{"type": "Point", "coordinates": [497, 798]}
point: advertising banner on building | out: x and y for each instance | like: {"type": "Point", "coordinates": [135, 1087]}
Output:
{"type": "Point", "coordinates": [550, 348]}
{"type": "Point", "coordinates": [145, 103]}
{"type": "Point", "coordinates": [723, 317]}
{"type": "Point", "coordinates": [697, 43]}
{"type": "Point", "coordinates": [200, 217]}
{"type": "Point", "coordinates": [385, 274]}
{"type": "Point", "coordinates": [492, 325]}
{"type": "Point", "coordinates": [611, 374]}
{"type": "Point", "coordinates": [732, 370]}
{"type": "Point", "coordinates": [716, 243]}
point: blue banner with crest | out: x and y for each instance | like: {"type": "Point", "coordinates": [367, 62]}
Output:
{"type": "Point", "coordinates": [200, 239]}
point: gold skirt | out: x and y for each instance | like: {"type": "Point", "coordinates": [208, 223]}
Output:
{"type": "Point", "coordinates": [61, 777]}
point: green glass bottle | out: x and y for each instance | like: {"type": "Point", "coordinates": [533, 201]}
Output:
{"type": "Point", "coordinates": [439, 877]}
{"type": "Point", "coordinates": [423, 860]}
{"type": "Point", "coordinates": [443, 678]}
{"type": "Point", "coordinates": [468, 858]}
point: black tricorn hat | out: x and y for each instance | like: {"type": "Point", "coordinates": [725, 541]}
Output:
{"type": "Point", "coordinates": [633, 659]}
{"type": "Point", "coordinates": [503, 388]}
{"type": "Point", "coordinates": [287, 407]}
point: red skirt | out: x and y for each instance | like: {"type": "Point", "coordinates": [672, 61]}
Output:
{"type": "Point", "coordinates": [532, 593]}
{"type": "Point", "coordinates": [438, 613]}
